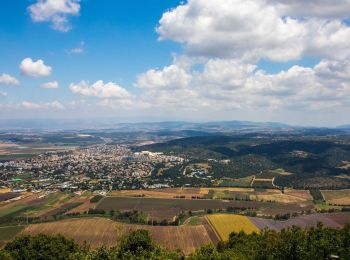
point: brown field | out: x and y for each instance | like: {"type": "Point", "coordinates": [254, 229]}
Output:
{"type": "Point", "coordinates": [159, 193]}
{"type": "Point", "coordinates": [205, 191]}
{"type": "Point", "coordinates": [6, 145]}
{"type": "Point", "coordinates": [335, 220]}
{"type": "Point", "coordinates": [161, 209]}
{"type": "Point", "coordinates": [338, 197]}
{"type": "Point", "coordinates": [27, 199]}
{"type": "Point", "coordinates": [289, 196]}
{"type": "Point", "coordinates": [85, 206]}
{"type": "Point", "coordinates": [104, 232]}
{"type": "Point", "coordinates": [50, 209]}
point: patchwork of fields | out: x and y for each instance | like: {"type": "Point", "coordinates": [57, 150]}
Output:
{"type": "Point", "coordinates": [45, 205]}
{"type": "Point", "coordinates": [97, 231]}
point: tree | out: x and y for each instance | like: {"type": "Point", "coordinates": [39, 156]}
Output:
{"type": "Point", "coordinates": [41, 247]}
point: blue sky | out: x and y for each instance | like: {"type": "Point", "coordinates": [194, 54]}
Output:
{"type": "Point", "coordinates": [119, 38]}
{"type": "Point", "coordinates": [194, 60]}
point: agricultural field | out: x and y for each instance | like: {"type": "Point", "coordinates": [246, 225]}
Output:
{"type": "Point", "coordinates": [288, 196]}
{"type": "Point", "coordinates": [41, 204]}
{"type": "Point", "coordinates": [27, 203]}
{"type": "Point", "coordinates": [225, 224]}
{"type": "Point", "coordinates": [337, 197]}
{"type": "Point", "coordinates": [168, 193]}
{"type": "Point", "coordinates": [8, 233]}
{"type": "Point", "coordinates": [104, 232]}
{"type": "Point", "coordinates": [334, 220]}
{"type": "Point", "coordinates": [235, 182]}
{"type": "Point", "coordinates": [8, 196]}
{"type": "Point", "coordinates": [168, 208]}
{"type": "Point", "coordinates": [9, 151]}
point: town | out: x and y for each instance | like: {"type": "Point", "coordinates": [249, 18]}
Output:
{"type": "Point", "coordinates": [98, 167]}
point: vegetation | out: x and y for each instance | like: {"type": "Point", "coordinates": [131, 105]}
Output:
{"type": "Point", "coordinates": [293, 243]}
{"type": "Point", "coordinates": [308, 161]}
{"type": "Point", "coordinates": [96, 198]}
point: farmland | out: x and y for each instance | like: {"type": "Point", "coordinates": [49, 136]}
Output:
{"type": "Point", "coordinates": [288, 196]}
{"type": "Point", "coordinates": [337, 197]}
{"type": "Point", "coordinates": [225, 224]}
{"type": "Point", "coordinates": [169, 208]}
{"type": "Point", "coordinates": [44, 205]}
{"type": "Point", "coordinates": [330, 220]}
{"type": "Point", "coordinates": [8, 233]}
{"type": "Point", "coordinates": [103, 232]}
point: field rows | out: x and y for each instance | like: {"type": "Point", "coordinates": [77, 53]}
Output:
{"type": "Point", "coordinates": [103, 232]}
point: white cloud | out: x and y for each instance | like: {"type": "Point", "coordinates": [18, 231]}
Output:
{"type": "Point", "coordinates": [28, 105]}
{"type": "Point", "coordinates": [50, 85]}
{"type": "Point", "coordinates": [314, 8]}
{"type": "Point", "coordinates": [225, 85]}
{"type": "Point", "coordinates": [170, 77]}
{"type": "Point", "coordinates": [55, 11]}
{"type": "Point", "coordinates": [253, 30]}
{"type": "Point", "coordinates": [77, 50]}
{"type": "Point", "coordinates": [100, 89]}
{"type": "Point", "coordinates": [6, 79]}
{"type": "Point", "coordinates": [35, 68]}
{"type": "Point", "coordinates": [56, 105]}
{"type": "Point", "coordinates": [3, 94]}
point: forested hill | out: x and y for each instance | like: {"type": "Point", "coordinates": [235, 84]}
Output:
{"type": "Point", "coordinates": [312, 161]}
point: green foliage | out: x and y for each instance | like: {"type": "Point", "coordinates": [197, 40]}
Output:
{"type": "Point", "coordinates": [96, 198]}
{"type": "Point", "coordinates": [316, 195]}
{"type": "Point", "coordinates": [290, 244]}
{"type": "Point", "coordinates": [293, 243]}
{"type": "Point", "coordinates": [41, 247]}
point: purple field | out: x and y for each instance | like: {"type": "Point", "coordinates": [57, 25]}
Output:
{"type": "Point", "coordinates": [330, 220]}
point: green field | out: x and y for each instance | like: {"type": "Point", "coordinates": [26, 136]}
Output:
{"type": "Point", "coordinates": [8, 233]}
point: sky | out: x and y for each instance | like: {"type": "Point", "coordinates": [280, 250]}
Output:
{"type": "Point", "coordinates": [195, 60]}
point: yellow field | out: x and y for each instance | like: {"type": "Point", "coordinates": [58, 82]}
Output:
{"type": "Point", "coordinates": [225, 224]}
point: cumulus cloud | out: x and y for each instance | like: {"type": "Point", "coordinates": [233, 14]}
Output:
{"type": "Point", "coordinates": [100, 89]}
{"type": "Point", "coordinates": [55, 11]}
{"type": "Point", "coordinates": [6, 79]}
{"type": "Point", "coordinates": [50, 85]}
{"type": "Point", "coordinates": [35, 68]}
{"type": "Point", "coordinates": [314, 8]}
{"type": "Point", "coordinates": [170, 77]}
{"type": "Point", "coordinates": [253, 30]}
{"type": "Point", "coordinates": [232, 84]}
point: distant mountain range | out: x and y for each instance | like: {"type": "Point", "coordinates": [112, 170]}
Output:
{"type": "Point", "coordinates": [111, 125]}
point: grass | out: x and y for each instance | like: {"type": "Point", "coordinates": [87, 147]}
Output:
{"type": "Point", "coordinates": [225, 224]}
{"type": "Point", "coordinates": [193, 221]}
{"type": "Point", "coordinates": [15, 210]}
{"type": "Point", "coordinates": [240, 182]}
{"type": "Point", "coordinates": [8, 233]}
